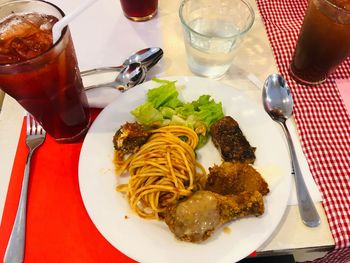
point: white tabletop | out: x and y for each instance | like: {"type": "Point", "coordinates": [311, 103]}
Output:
{"type": "Point", "coordinates": [103, 36]}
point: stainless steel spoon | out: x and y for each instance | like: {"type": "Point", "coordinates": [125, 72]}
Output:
{"type": "Point", "coordinates": [148, 57]}
{"type": "Point", "coordinates": [278, 103]}
{"type": "Point", "coordinates": [129, 77]}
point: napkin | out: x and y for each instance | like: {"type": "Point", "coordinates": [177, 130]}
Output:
{"type": "Point", "coordinates": [108, 39]}
{"type": "Point", "coordinates": [114, 38]}
{"type": "Point", "coordinates": [304, 167]}
{"type": "Point", "coordinates": [101, 97]}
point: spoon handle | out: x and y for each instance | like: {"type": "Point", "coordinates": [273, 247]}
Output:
{"type": "Point", "coordinates": [307, 208]}
{"type": "Point", "coordinates": [113, 84]}
{"type": "Point", "coordinates": [99, 70]}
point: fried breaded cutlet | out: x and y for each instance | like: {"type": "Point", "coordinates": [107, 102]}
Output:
{"type": "Point", "coordinates": [197, 217]}
{"type": "Point", "coordinates": [130, 137]}
{"type": "Point", "coordinates": [230, 141]}
{"type": "Point", "coordinates": [234, 178]}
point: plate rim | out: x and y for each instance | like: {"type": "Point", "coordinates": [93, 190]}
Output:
{"type": "Point", "coordinates": [286, 181]}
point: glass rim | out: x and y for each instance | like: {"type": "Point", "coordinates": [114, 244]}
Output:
{"type": "Point", "coordinates": [31, 60]}
{"type": "Point", "coordinates": [333, 4]}
{"type": "Point", "coordinates": [241, 32]}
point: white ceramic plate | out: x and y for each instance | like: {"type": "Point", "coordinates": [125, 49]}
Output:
{"type": "Point", "coordinates": [151, 241]}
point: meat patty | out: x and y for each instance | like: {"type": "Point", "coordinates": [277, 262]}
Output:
{"type": "Point", "coordinates": [230, 141]}
{"type": "Point", "coordinates": [130, 137]}
{"type": "Point", "coordinates": [234, 178]}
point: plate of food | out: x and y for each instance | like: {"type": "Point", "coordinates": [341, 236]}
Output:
{"type": "Point", "coordinates": [185, 169]}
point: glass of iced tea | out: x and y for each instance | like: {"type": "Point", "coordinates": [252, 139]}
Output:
{"type": "Point", "coordinates": [139, 10]}
{"type": "Point", "coordinates": [43, 77]}
{"type": "Point", "coordinates": [324, 41]}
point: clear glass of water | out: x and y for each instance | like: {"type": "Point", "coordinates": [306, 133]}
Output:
{"type": "Point", "coordinates": [212, 31]}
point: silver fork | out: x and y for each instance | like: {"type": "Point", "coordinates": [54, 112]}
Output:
{"type": "Point", "coordinates": [15, 248]}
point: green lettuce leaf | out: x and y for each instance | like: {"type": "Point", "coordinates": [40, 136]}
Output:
{"type": "Point", "coordinates": [163, 107]}
{"type": "Point", "coordinates": [164, 95]}
{"type": "Point", "coordinates": [147, 115]}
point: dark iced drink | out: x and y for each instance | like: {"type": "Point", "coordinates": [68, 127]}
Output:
{"type": "Point", "coordinates": [43, 77]}
{"type": "Point", "coordinates": [137, 10]}
{"type": "Point", "coordinates": [324, 41]}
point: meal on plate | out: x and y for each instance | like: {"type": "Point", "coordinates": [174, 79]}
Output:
{"type": "Point", "coordinates": [166, 182]}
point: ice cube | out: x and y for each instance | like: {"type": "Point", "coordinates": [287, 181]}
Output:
{"type": "Point", "coordinates": [33, 45]}
{"type": "Point", "coordinates": [24, 36]}
{"type": "Point", "coordinates": [16, 26]}
{"type": "Point", "coordinates": [7, 58]}
{"type": "Point", "coordinates": [42, 21]}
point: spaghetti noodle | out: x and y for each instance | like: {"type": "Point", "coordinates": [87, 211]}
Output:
{"type": "Point", "coordinates": [163, 171]}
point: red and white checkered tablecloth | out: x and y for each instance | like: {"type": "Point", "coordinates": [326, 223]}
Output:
{"type": "Point", "coordinates": [322, 120]}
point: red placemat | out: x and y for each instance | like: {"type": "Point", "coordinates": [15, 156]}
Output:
{"type": "Point", "coordinates": [58, 226]}
{"type": "Point", "coordinates": [321, 117]}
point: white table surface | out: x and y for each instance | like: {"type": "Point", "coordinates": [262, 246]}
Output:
{"type": "Point", "coordinates": [103, 36]}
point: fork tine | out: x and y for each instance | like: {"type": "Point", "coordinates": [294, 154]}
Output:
{"type": "Point", "coordinates": [33, 126]}
{"type": "Point", "coordinates": [28, 123]}
{"type": "Point", "coordinates": [39, 128]}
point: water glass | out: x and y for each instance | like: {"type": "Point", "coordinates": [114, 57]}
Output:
{"type": "Point", "coordinates": [213, 29]}
{"type": "Point", "coordinates": [323, 42]}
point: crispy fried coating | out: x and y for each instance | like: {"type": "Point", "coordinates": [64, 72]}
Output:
{"type": "Point", "coordinates": [130, 137]}
{"type": "Point", "coordinates": [230, 141]}
{"type": "Point", "coordinates": [234, 178]}
{"type": "Point", "coordinates": [197, 217]}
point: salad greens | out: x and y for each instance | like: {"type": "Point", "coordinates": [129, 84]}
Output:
{"type": "Point", "coordinates": [163, 107]}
